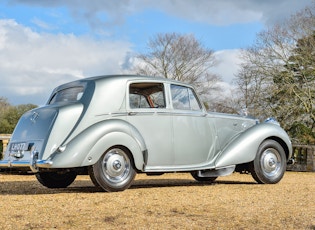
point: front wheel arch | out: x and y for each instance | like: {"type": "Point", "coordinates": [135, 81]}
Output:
{"type": "Point", "coordinates": [283, 144]}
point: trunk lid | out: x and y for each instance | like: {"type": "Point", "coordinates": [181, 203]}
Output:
{"type": "Point", "coordinates": [30, 133]}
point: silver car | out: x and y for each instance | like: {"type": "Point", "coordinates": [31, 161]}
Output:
{"type": "Point", "coordinates": [112, 127]}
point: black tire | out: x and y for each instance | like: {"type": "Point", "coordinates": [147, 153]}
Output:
{"type": "Point", "coordinates": [202, 179]}
{"type": "Point", "coordinates": [269, 164]}
{"type": "Point", "coordinates": [114, 171]}
{"type": "Point", "coordinates": [55, 179]}
{"type": "Point", "coordinates": [93, 179]}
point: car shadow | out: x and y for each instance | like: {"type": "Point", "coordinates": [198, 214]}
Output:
{"type": "Point", "coordinates": [33, 187]}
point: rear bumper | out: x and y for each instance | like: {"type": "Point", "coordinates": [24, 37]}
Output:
{"type": "Point", "coordinates": [34, 164]}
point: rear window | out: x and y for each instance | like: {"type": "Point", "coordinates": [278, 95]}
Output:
{"type": "Point", "coordinates": [67, 95]}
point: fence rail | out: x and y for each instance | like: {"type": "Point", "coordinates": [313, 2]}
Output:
{"type": "Point", "coordinates": [303, 155]}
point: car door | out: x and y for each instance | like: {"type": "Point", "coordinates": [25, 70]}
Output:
{"type": "Point", "coordinates": [148, 113]}
{"type": "Point", "coordinates": [192, 133]}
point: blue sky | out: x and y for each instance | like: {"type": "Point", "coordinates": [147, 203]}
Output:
{"type": "Point", "coordinates": [47, 43]}
{"type": "Point", "coordinates": [136, 28]}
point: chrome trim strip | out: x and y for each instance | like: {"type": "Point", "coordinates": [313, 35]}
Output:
{"type": "Point", "coordinates": [19, 164]}
{"type": "Point", "coordinates": [44, 163]}
{"type": "Point", "coordinates": [5, 163]}
{"type": "Point", "coordinates": [22, 164]}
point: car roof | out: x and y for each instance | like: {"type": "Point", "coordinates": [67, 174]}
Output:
{"type": "Point", "coordinates": [124, 77]}
{"type": "Point", "coordinates": [132, 77]}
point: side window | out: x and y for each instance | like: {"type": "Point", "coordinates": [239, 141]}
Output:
{"type": "Point", "coordinates": [184, 98]}
{"type": "Point", "coordinates": [146, 95]}
{"type": "Point", "coordinates": [194, 102]}
{"type": "Point", "coordinates": [180, 97]}
{"type": "Point", "coordinates": [138, 101]}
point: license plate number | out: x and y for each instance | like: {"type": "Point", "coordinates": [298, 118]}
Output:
{"type": "Point", "coordinates": [18, 147]}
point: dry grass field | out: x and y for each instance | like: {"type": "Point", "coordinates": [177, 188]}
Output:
{"type": "Point", "coordinates": [170, 201]}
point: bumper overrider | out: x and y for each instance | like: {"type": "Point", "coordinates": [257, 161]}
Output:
{"type": "Point", "coordinates": [33, 163]}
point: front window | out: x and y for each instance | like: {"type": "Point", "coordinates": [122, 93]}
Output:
{"type": "Point", "coordinates": [146, 95]}
{"type": "Point", "coordinates": [67, 95]}
{"type": "Point", "coordinates": [184, 98]}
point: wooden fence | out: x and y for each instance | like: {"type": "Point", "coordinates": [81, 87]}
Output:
{"type": "Point", "coordinates": [304, 155]}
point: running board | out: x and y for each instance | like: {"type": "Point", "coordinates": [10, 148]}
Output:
{"type": "Point", "coordinates": [216, 172]}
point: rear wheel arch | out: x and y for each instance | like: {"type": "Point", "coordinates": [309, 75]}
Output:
{"type": "Point", "coordinates": [116, 139]}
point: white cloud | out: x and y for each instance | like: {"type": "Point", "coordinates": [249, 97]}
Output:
{"type": "Point", "coordinates": [228, 64]}
{"type": "Point", "coordinates": [42, 24]}
{"type": "Point", "coordinates": [232, 12]}
{"type": "Point", "coordinates": [32, 64]}
{"type": "Point", "coordinates": [224, 12]}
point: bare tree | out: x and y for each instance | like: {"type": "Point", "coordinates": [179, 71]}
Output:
{"type": "Point", "coordinates": [179, 57]}
{"type": "Point", "coordinates": [278, 76]}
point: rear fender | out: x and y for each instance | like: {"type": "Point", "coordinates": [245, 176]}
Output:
{"type": "Point", "coordinates": [244, 148]}
{"type": "Point", "coordinates": [87, 147]}
{"type": "Point", "coordinates": [116, 139]}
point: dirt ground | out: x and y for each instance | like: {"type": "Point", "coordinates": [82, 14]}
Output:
{"type": "Point", "coordinates": [170, 201]}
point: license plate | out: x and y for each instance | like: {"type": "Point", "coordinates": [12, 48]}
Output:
{"type": "Point", "coordinates": [18, 146]}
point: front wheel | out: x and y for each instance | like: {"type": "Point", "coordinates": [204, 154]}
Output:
{"type": "Point", "coordinates": [56, 179]}
{"type": "Point", "coordinates": [269, 164]}
{"type": "Point", "coordinates": [114, 171]}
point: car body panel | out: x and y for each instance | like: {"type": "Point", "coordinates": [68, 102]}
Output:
{"type": "Point", "coordinates": [147, 116]}
{"type": "Point", "coordinates": [157, 145]}
{"type": "Point", "coordinates": [248, 142]}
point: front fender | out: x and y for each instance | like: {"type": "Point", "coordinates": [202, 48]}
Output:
{"type": "Point", "coordinates": [244, 147]}
{"type": "Point", "coordinates": [87, 147]}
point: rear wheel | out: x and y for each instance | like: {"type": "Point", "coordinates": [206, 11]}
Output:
{"type": "Point", "coordinates": [56, 179]}
{"type": "Point", "coordinates": [202, 179]}
{"type": "Point", "coordinates": [114, 171]}
{"type": "Point", "coordinates": [270, 163]}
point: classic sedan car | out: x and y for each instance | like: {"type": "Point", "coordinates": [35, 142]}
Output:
{"type": "Point", "coordinates": [112, 127]}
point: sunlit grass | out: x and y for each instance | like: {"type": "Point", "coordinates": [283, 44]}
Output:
{"type": "Point", "coordinates": [160, 202]}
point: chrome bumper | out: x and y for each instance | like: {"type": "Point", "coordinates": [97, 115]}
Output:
{"type": "Point", "coordinates": [34, 164]}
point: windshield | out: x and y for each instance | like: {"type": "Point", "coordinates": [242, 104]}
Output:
{"type": "Point", "coordinates": [67, 95]}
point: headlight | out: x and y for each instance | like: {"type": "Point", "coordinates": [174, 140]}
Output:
{"type": "Point", "coordinates": [272, 120]}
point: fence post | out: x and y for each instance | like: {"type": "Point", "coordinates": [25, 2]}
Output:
{"type": "Point", "coordinates": [5, 138]}
{"type": "Point", "coordinates": [310, 159]}
{"type": "Point", "coordinates": [5, 144]}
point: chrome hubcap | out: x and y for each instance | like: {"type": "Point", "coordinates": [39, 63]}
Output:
{"type": "Point", "coordinates": [271, 162]}
{"type": "Point", "coordinates": [116, 166]}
